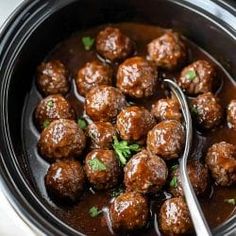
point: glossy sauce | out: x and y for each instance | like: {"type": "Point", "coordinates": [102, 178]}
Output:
{"type": "Point", "coordinates": [72, 53]}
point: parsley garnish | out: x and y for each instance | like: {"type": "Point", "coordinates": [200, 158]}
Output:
{"type": "Point", "coordinates": [97, 165]}
{"type": "Point", "coordinates": [117, 192]}
{"type": "Point", "coordinates": [124, 150]}
{"type": "Point", "coordinates": [94, 212]}
{"type": "Point", "coordinates": [87, 42]}
{"type": "Point", "coordinates": [50, 103]}
{"type": "Point", "coordinates": [173, 182]}
{"type": "Point", "coordinates": [194, 110]}
{"type": "Point", "coordinates": [231, 201]}
{"type": "Point", "coordinates": [46, 123]}
{"type": "Point", "coordinates": [82, 123]}
{"type": "Point", "coordinates": [174, 167]}
{"type": "Point", "coordinates": [191, 75]}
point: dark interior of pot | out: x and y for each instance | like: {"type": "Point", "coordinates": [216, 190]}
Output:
{"type": "Point", "coordinates": [34, 36]}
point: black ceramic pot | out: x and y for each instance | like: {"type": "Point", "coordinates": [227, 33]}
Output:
{"type": "Point", "coordinates": [37, 26]}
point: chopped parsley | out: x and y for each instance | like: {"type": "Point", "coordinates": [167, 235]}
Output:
{"type": "Point", "coordinates": [231, 201]}
{"type": "Point", "coordinates": [116, 192]}
{"type": "Point", "coordinates": [96, 164]}
{"type": "Point", "coordinates": [94, 212]}
{"type": "Point", "coordinates": [87, 42]}
{"type": "Point", "coordinates": [194, 110]}
{"type": "Point", "coordinates": [174, 167]}
{"type": "Point", "coordinates": [191, 75]}
{"type": "Point", "coordinates": [82, 123]}
{"type": "Point", "coordinates": [173, 182]}
{"type": "Point", "coordinates": [46, 123]}
{"type": "Point", "coordinates": [50, 103]}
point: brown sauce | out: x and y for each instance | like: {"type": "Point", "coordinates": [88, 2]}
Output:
{"type": "Point", "coordinates": [71, 52]}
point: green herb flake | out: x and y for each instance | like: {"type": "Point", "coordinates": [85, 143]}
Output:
{"type": "Point", "coordinates": [173, 182]}
{"type": "Point", "coordinates": [87, 42]}
{"type": "Point", "coordinates": [191, 75]}
{"type": "Point", "coordinates": [231, 201]}
{"type": "Point", "coordinates": [174, 167]}
{"type": "Point", "coordinates": [50, 103]}
{"type": "Point", "coordinates": [94, 212]}
{"type": "Point", "coordinates": [194, 110]}
{"type": "Point", "coordinates": [97, 165]}
{"type": "Point", "coordinates": [82, 123]}
{"type": "Point", "coordinates": [46, 123]}
{"type": "Point", "coordinates": [117, 192]}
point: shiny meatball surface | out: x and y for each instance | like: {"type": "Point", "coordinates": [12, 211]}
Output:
{"type": "Point", "coordinates": [198, 175]}
{"type": "Point", "coordinates": [166, 139]}
{"type": "Point", "coordinates": [129, 211]}
{"type": "Point", "coordinates": [167, 51]}
{"type": "Point", "coordinates": [65, 180]}
{"type": "Point", "coordinates": [167, 109]}
{"type": "Point", "coordinates": [61, 139]}
{"type": "Point", "coordinates": [113, 45]}
{"type": "Point", "coordinates": [102, 168]}
{"type": "Point", "coordinates": [145, 173]}
{"type": "Point", "coordinates": [221, 160]}
{"type": "Point", "coordinates": [174, 217]}
{"type": "Point", "coordinates": [231, 115]}
{"type": "Point", "coordinates": [52, 78]}
{"type": "Point", "coordinates": [91, 75]}
{"type": "Point", "coordinates": [136, 77]}
{"type": "Point", "coordinates": [133, 123]}
{"type": "Point", "coordinates": [103, 103]}
{"type": "Point", "coordinates": [207, 110]}
{"type": "Point", "coordinates": [51, 108]}
{"type": "Point", "coordinates": [101, 134]}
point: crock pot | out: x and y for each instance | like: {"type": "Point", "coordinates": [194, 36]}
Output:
{"type": "Point", "coordinates": [38, 25]}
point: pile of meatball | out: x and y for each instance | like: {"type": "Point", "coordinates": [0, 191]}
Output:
{"type": "Point", "coordinates": [82, 156]}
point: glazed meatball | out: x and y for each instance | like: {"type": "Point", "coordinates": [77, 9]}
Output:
{"type": "Point", "coordinates": [91, 75]}
{"type": "Point", "coordinates": [167, 109]}
{"type": "Point", "coordinates": [166, 139]}
{"type": "Point", "coordinates": [102, 168]}
{"type": "Point", "coordinates": [103, 103]}
{"type": "Point", "coordinates": [133, 123]}
{"type": "Point", "coordinates": [136, 77]}
{"type": "Point", "coordinates": [113, 45]}
{"type": "Point", "coordinates": [145, 173]}
{"type": "Point", "coordinates": [231, 114]}
{"type": "Point", "coordinates": [101, 134]}
{"type": "Point", "coordinates": [197, 78]}
{"type": "Point", "coordinates": [129, 211]}
{"type": "Point", "coordinates": [61, 139]}
{"type": "Point", "coordinates": [174, 217]}
{"type": "Point", "coordinates": [52, 78]}
{"type": "Point", "coordinates": [198, 175]}
{"type": "Point", "coordinates": [167, 51]}
{"type": "Point", "coordinates": [221, 161]}
{"type": "Point", "coordinates": [51, 108]}
{"type": "Point", "coordinates": [65, 180]}
{"type": "Point", "coordinates": [207, 110]}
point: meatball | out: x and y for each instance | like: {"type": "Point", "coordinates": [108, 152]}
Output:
{"type": "Point", "coordinates": [129, 211]}
{"type": "Point", "coordinates": [166, 139]}
{"type": "Point", "coordinates": [52, 78]}
{"type": "Point", "coordinates": [102, 168]}
{"type": "Point", "coordinates": [61, 139]}
{"type": "Point", "coordinates": [198, 174]}
{"type": "Point", "coordinates": [136, 77]}
{"type": "Point", "coordinates": [51, 108]}
{"type": "Point", "coordinates": [103, 103]}
{"type": "Point", "coordinates": [221, 161]}
{"type": "Point", "coordinates": [167, 109]}
{"type": "Point", "coordinates": [65, 180]}
{"type": "Point", "coordinates": [133, 123]}
{"type": "Point", "coordinates": [174, 217]}
{"type": "Point", "coordinates": [91, 75]}
{"type": "Point", "coordinates": [231, 114]}
{"type": "Point", "coordinates": [207, 110]}
{"type": "Point", "coordinates": [167, 51]}
{"type": "Point", "coordinates": [101, 134]}
{"type": "Point", "coordinates": [197, 78]}
{"type": "Point", "coordinates": [113, 45]}
{"type": "Point", "coordinates": [145, 173]}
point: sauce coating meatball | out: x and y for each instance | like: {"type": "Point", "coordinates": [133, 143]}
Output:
{"type": "Point", "coordinates": [103, 103]}
{"type": "Point", "coordinates": [231, 115]}
{"type": "Point", "coordinates": [133, 123]}
{"type": "Point", "coordinates": [65, 180]}
{"type": "Point", "coordinates": [129, 211]}
{"type": "Point", "coordinates": [113, 45]}
{"type": "Point", "coordinates": [101, 134]}
{"type": "Point", "coordinates": [136, 77]}
{"type": "Point", "coordinates": [198, 175]}
{"type": "Point", "coordinates": [145, 173]}
{"type": "Point", "coordinates": [61, 139]}
{"type": "Point", "coordinates": [166, 139]}
{"type": "Point", "coordinates": [167, 109]}
{"type": "Point", "coordinates": [207, 110]}
{"type": "Point", "coordinates": [174, 217]}
{"type": "Point", "coordinates": [102, 168]}
{"type": "Point", "coordinates": [91, 75]}
{"type": "Point", "coordinates": [52, 78]}
{"type": "Point", "coordinates": [51, 108]}
{"type": "Point", "coordinates": [167, 51]}
{"type": "Point", "coordinates": [221, 161]}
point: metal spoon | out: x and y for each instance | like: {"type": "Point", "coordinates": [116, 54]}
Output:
{"type": "Point", "coordinates": [198, 219]}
